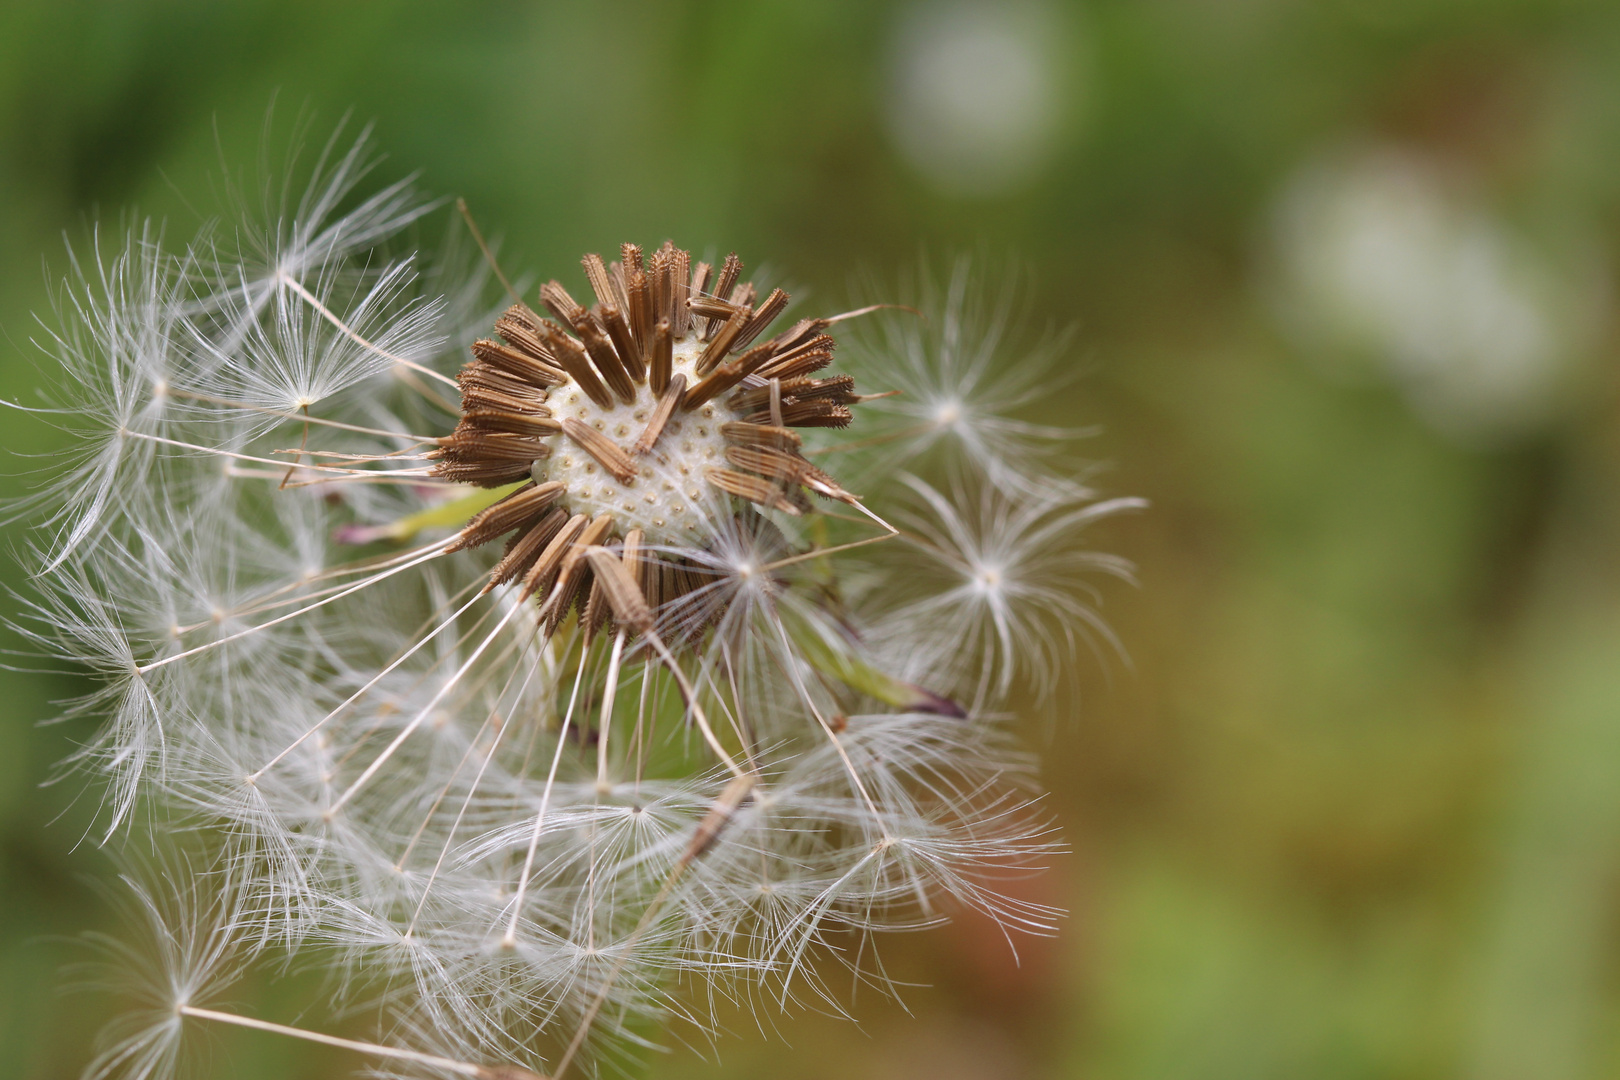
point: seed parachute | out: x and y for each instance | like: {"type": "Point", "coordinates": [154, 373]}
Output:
{"type": "Point", "coordinates": [546, 671]}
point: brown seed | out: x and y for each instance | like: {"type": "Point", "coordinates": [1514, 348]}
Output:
{"type": "Point", "coordinates": [680, 609]}
{"type": "Point", "coordinates": [660, 273]}
{"type": "Point", "coordinates": [602, 283]}
{"type": "Point", "coordinates": [719, 816]}
{"type": "Point", "coordinates": [596, 612]}
{"type": "Point", "coordinates": [519, 316]}
{"type": "Point", "coordinates": [711, 307]}
{"type": "Point", "coordinates": [524, 548]}
{"type": "Point", "coordinates": [521, 507]}
{"type": "Point", "coordinates": [803, 362]}
{"type": "Point", "coordinates": [746, 434]}
{"type": "Point", "coordinates": [787, 468]}
{"type": "Point", "coordinates": [662, 361]}
{"type": "Point", "coordinates": [565, 308]}
{"type": "Point", "coordinates": [799, 333]}
{"type": "Point", "coordinates": [839, 389]}
{"type": "Point", "coordinates": [770, 463]}
{"type": "Point", "coordinates": [722, 289]}
{"type": "Point", "coordinates": [812, 413]}
{"type": "Point", "coordinates": [671, 584]}
{"type": "Point", "coordinates": [668, 402]}
{"type": "Point", "coordinates": [520, 363]}
{"type": "Point", "coordinates": [638, 295]}
{"type": "Point", "coordinates": [574, 569]}
{"type": "Point", "coordinates": [539, 576]}
{"type": "Point", "coordinates": [720, 344]}
{"type": "Point", "coordinates": [773, 306]}
{"type": "Point", "coordinates": [602, 448]}
{"type": "Point", "coordinates": [507, 421]}
{"type": "Point", "coordinates": [607, 361]}
{"type": "Point", "coordinates": [486, 474]}
{"type": "Point", "coordinates": [468, 444]}
{"type": "Point", "coordinates": [700, 283]}
{"type": "Point", "coordinates": [572, 359]}
{"type": "Point", "coordinates": [633, 556]}
{"type": "Point", "coordinates": [631, 254]}
{"type": "Point", "coordinates": [476, 372]}
{"type": "Point", "coordinates": [682, 277]}
{"type": "Point", "coordinates": [477, 395]}
{"type": "Point", "coordinates": [726, 376]}
{"type": "Point", "coordinates": [624, 342]}
{"type": "Point", "coordinates": [753, 396]}
{"type": "Point", "coordinates": [801, 359]}
{"type": "Point", "coordinates": [616, 273]}
{"type": "Point", "coordinates": [753, 488]}
{"type": "Point", "coordinates": [624, 596]}
{"type": "Point", "coordinates": [650, 576]}
{"type": "Point", "coordinates": [599, 608]}
{"type": "Point", "coordinates": [527, 341]}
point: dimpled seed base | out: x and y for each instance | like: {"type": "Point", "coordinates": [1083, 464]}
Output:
{"type": "Point", "coordinates": [670, 499]}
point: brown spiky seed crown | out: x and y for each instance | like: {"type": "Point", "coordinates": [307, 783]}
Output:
{"type": "Point", "coordinates": [627, 423]}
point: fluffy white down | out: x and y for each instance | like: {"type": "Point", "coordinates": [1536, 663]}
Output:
{"type": "Point", "coordinates": [404, 770]}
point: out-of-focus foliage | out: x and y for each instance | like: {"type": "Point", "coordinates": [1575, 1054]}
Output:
{"type": "Point", "coordinates": [1343, 274]}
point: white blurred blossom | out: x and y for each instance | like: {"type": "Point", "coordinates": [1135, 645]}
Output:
{"type": "Point", "coordinates": [1382, 256]}
{"type": "Point", "coordinates": [979, 91]}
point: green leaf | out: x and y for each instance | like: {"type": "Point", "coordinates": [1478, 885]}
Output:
{"type": "Point", "coordinates": [451, 514]}
{"type": "Point", "coordinates": [832, 656]}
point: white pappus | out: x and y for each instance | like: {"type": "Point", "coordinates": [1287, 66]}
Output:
{"type": "Point", "coordinates": [533, 668]}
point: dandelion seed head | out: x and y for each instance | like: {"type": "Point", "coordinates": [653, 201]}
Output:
{"type": "Point", "coordinates": [642, 418]}
{"type": "Point", "coordinates": [617, 687]}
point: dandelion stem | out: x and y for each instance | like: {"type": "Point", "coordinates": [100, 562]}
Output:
{"type": "Point", "coordinates": [302, 443]}
{"type": "Point", "coordinates": [402, 454]}
{"type": "Point", "coordinates": [691, 697]}
{"type": "Point", "coordinates": [414, 381]}
{"type": "Point", "coordinates": [352, 698]}
{"type": "Point", "coordinates": [838, 744]}
{"type": "Point", "coordinates": [489, 256]}
{"type": "Point", "coordinates": [432, 551]}
{"type": "Point", "coordinates": [416, 721]}
{"type": "Point", "coordinates": [858, 312]}
{"type": "Point", "coordinates": [455, 826]}
{"type": "Point", "coordinates": [817, 553]}
{"type": "Point", "coordinates": [704, 835]}
{"type": "Point", "coordinates": [545, 803]}
{"type": "Point", "coordinates": [283, 414]}
{"type": "Point", "coordinates": [235, 456]}
{"type": "Point", "coordinates": [395, 1053]}
{"type": "Point", "coordinates": [605, 725]}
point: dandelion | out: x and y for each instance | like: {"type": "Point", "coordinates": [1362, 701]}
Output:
{"type": "Point", "coordinates": [536, 664]}
{"type": "Point", "coordinates": [955, 397]}
{"type": "Point", "coordinates": [1001, 589]}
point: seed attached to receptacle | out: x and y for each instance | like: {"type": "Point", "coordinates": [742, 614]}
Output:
{"type": "Point", "coordinates": [641, 418]}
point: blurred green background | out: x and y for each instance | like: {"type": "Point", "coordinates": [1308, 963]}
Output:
{"type": "Point", "coordinates": [1342, 272]}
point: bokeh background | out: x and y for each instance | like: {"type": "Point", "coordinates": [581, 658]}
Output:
{"type": "Point", "coordinates": [1344, 273]}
